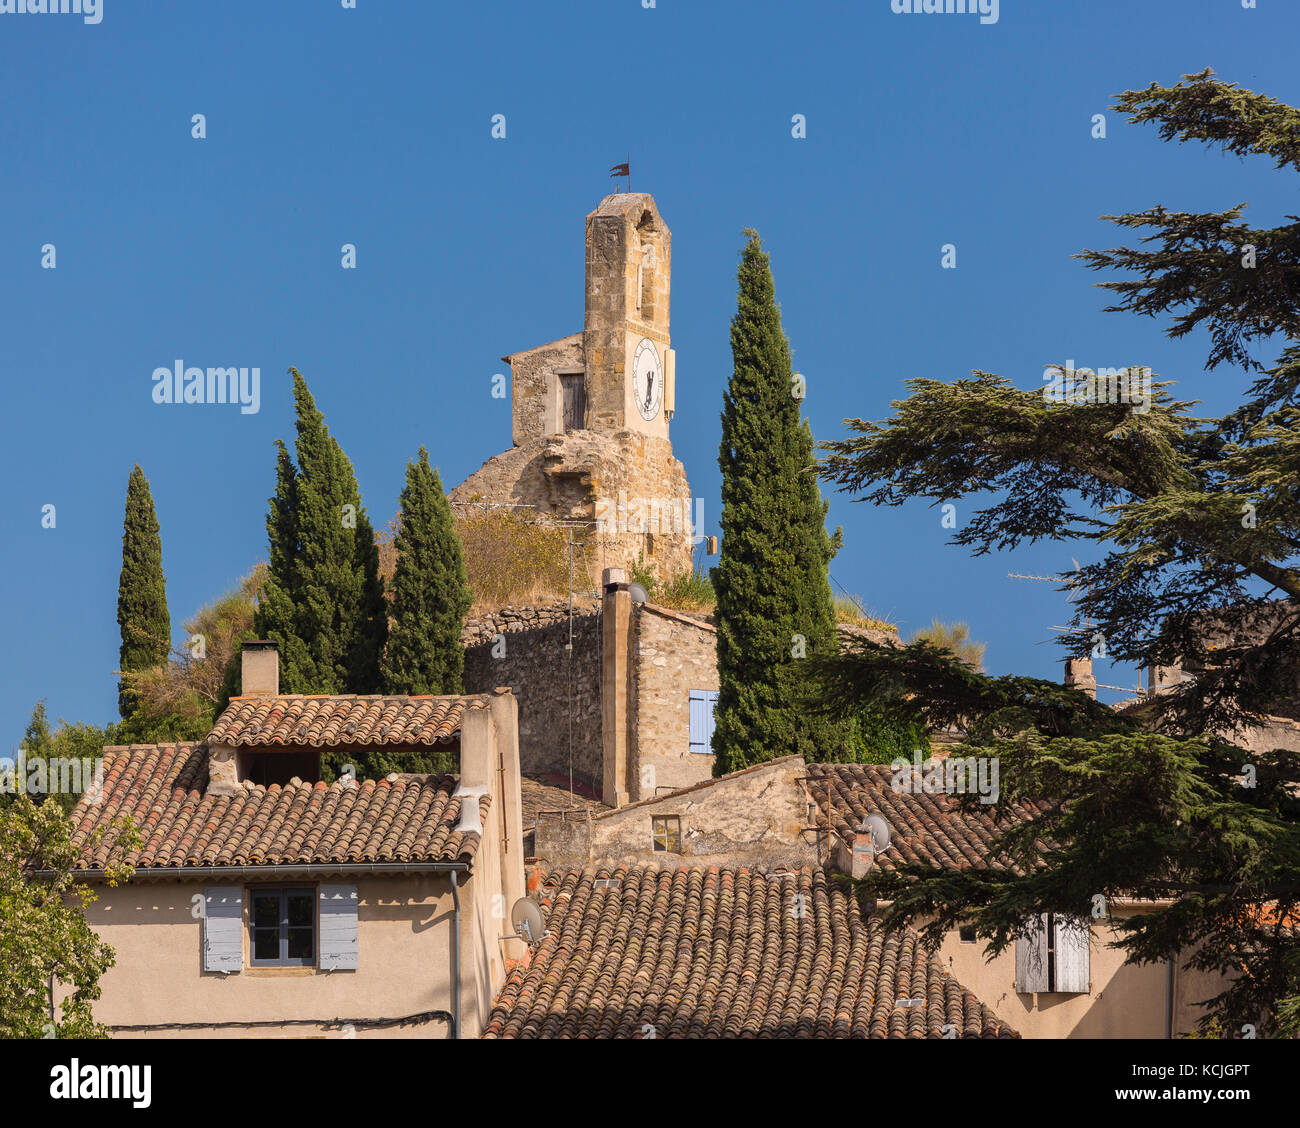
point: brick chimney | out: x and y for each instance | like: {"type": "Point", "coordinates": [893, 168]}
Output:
{"type": "Point", "coordinates": [260, 668]}
{"type": "Point", "coordinates": [858, 856]}
{"type": "Point", "coordinates": [1078, 675]}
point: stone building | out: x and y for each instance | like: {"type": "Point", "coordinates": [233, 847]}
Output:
{"type": "Point", "coordinates": [590, 411]}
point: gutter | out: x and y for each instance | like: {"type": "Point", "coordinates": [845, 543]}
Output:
{"type": "Point", "coordinates": [314, 869]}
{"type": "Point", "coordinates": [455, 957]}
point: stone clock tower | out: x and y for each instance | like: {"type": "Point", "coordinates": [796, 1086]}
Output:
{"type": "Point", "coordinates": [590, 412]}
{"type": "Point", "coordinates": [625, 339]}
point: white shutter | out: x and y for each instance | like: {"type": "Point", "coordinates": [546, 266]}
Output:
{"type": "Point", "coordinates": [1031, 958]}
{"type": "Point", "coordinates": [1072, 937]}
{"type": "Point", "coordinates": [338, 927]}
{"type": "Point", "coordinates": [223, 928]}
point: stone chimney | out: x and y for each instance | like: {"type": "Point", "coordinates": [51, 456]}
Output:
{"type": "Point", "coordinates": [260, 668]}
{"type": "Point", "coordinates": [615, 689]}
{"type": "Point", "coordinates": [1078, 675]}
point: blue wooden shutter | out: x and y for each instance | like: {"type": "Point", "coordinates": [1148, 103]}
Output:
{"type": "Point", "coordinates": [338, 927]}
{"type": "Point", "coordinates": [223, 928]}
{"type": "Point", "coordinates": [703, 702]}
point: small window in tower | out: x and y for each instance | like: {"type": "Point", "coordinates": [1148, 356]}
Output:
{"type": "Point", "coordinates": [667, 834]}
{"type": "Point", "coordinates": [573, 400]}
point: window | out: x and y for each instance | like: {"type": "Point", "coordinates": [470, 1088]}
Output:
{"type": "Point", "coordinates": [573, 401]}
{"type": "Point", "coordinates": [1052, 956]}
{"type": "Point", "coordinates": [282, 927]}
{"type": "Point", "coordinates": [966, 934]}
{"type": "Point", "coordinates": [703, 704]}
{"type": "Point", "coordinates": [667, 834]}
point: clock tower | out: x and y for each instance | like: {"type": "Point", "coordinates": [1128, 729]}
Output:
{"type": "Point", "coordinates": [590, 411]}
{"type": "Point", "coordinates": [630, 366]}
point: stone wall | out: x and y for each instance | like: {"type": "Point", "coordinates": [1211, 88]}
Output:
{"type": "Point", "coordinates": [534, 386]}
{"type": "Point", "coordinates": [752, 817]}
{"type": "Point", "coordinates": [524, 648]}
{"type": "Point", "coordinates": [627, 481]}
{"type": "Point", "coordinates": [671, 654]}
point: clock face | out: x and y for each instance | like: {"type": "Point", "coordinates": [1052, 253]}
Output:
{"type": "Point", "coordinates": [647, 379]}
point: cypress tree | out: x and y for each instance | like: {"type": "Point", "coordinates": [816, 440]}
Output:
{"type": "Point", "coordinates": [430, 591]}
{"type": "Point", "coordinates": [774, 607]}
{"type": "Point", "coordinates": [142, 615]}
{"type": "Point", "coordinates": [323, 601]}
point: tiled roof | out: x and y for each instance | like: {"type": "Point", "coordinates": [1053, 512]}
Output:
{"type": "Point", "coordinates": [708, 952]}
{"type": "Point", "coordinates": [928, 829]}
{"type": "Point", "coordinates": [328, 720]}
{"type": "Point", "coordinates": [401, 819]}
{"type": "Point", "coordinates": [538, 795]}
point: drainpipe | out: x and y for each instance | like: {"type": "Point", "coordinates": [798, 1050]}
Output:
{"type": "Point", "coordinates": [1169, 998]}
{"type": "Point", "coordinates": [455, 957]}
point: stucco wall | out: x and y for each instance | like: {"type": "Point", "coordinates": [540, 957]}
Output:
{"type": "Point", "coordinates": [534, 663]}
{"type": "Point", "coordinates": [1125, 1001]}
{"type": "Point", "coordinates": [404, 965]}
{"type": "Point", "coordinates": [671, 655]}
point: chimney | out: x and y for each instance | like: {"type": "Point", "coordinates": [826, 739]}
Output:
{"type": "Point", "coordinates": [856, 858]}
{"type": "Point", "coordinates": [260, 668]}
{"type": "Point", "coordinates": [616, 624]}
{"type": "Point", "coordinates": [1078, 675]}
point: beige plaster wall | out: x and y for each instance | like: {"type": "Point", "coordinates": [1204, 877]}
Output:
{"type": "Point", "coordinates": [404, 964]}
{"type": "Point", "coordinates": [1125, 1001]}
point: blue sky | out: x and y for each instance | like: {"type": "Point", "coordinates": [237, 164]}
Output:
{"type": "Point", "coordinates": [372, 126]}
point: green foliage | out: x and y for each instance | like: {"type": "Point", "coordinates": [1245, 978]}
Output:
{"type": "Point", "coordinates": [179, 700]}
{"type": "Point", "coordinates": [773, 591]}
{"type": "Point", "coordinates": [877, 736]}
{"type": "Point", "coordinates": [1199, 523]}
{"type": "Point", "coordinates": [954, 639]}
{"type": "Point", "coordinates": [375, 761]}
{"type": "Point", "coordinates": [44, 931]}
{"type": "Point", "coordinates": [850, 611]}
{"type": "Point", "coordinates": [510, 560]}
{"type": "Point", "coordinates": [430, 591]}
{"type": "Point", "coordinates": [1198, 518]}
{"type": "Point", "coordinates": [324, 601]}
{"type": "Point", "coordinates": [142, 616]}
{"type": "Point", "coordinates": [685, 591]}
{"type": "Point", "coordinates": [79, 741]}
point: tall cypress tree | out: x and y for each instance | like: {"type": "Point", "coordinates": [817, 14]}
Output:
{"type": "Point", "coordinates": [142, 616]}
{"type": "Point", "coordinates": [324, 599]}
{"type": "Point", "coordinates": [430, 591]}
{"type": "Point", "coordinates": [774, 607]}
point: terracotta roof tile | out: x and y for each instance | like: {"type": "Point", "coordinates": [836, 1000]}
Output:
{"type": "Point", "coordinates": [329, 721]}
{"type": "Point", "coordinates": [406, 818]}
{"type": "Point", "coordinates": [725, 952]}
{"type": "Point", "coordinates": [925, 829]}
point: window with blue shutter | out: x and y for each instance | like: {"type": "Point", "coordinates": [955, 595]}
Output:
{"type": "Point", "coordinates": [338, 927]}
{"type": "Point", "coordinates": [281, 926]}
{"type": "Point", "coordinates": [703, 703]}
{"type": "Point", "coordinates": [223, 928]}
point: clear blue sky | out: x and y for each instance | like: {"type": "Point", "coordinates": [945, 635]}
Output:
{"type": "Point", "coordinates": [371, 126]}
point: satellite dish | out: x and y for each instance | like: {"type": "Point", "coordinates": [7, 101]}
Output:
{"type": "Point", "coordinates": [638, 593]}
{"type": "Point", "coordinates": [876, 826]}
{"type": "Point", "coordinates": [526, 918]}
